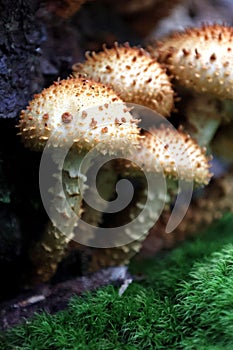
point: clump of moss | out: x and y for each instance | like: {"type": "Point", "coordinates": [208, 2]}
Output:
{"type": "Point", "coordinates": [205, 302]}
{"type": "Point", "coordinates": [184, 302]}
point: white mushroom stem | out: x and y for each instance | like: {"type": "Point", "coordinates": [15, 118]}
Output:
{"type": "Point", "coordinates": [51, 248]}
{"type": "Point", "coordinates": [93, 214]}
{"type": "Point", "coordinates": [132, 224]}
{"type": "Point", "coordinates": [204, 114]}
{"type": "Point", "coordinates": [222, 144]}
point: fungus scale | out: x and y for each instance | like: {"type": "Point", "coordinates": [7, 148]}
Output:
{"type": "Point", "coordinates": [132, 73]}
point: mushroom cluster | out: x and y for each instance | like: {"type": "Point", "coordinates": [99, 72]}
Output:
{"type": "Point", "coordinates": [163, 152]}
{"type": "Point", "coordinates": [199, 63]}
{"type": "Point", "coordinates": [90, 110]}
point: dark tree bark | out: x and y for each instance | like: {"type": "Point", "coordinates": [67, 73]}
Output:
{"type": "Point", "coordinates": [20, 39]}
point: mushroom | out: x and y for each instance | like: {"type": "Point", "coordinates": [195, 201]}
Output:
{"type": "Point", "coordinates": [132, 73]}
{"type": "Point", "coordinates": [164, 153]}
{"type": "Point", "coordinates": [75, 112]}
{"type": "Point", "coordinates": [200, 59]}
{"type": "Point", "coordinates": [81, 114]}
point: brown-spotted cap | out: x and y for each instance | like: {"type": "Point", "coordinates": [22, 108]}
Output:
{"type": "Point", "coordinates": [200, 58]}
{"type": "Point", "coordinates": [175, 154]}
{"type": "Point", "coordinates": [132, 73]}
{"type": "Point", "coordinates": [78, 110]}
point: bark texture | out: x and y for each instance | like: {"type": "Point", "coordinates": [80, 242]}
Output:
{"type": "Point", "coordinates": [20, 39]}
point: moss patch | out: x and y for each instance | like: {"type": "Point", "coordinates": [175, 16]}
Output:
{"type": "Point", "coordinates": [185, 301]}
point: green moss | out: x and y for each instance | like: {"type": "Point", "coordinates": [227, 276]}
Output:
{"type": "Point", "coordinates": [184, 302]}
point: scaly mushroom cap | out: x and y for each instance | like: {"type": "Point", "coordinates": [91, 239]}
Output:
{"type": "Point", "coordinates": [81, 111]}
{"type": "Point", "coordinates": [175, 153]}
{"type": "Point", "coordinates": [133, 74]}
{"type": "Point", "coordinates": [200, 58]}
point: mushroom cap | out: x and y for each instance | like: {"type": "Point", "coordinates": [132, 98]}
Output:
{"type": "Point", "coordinates": [80, 111]}
{"type": "Point", "coordinates": [132, 73]}
{"type": "Point", "coordinates": [175, 154]}
{"type": "Point", "coordinates": [200, 58]}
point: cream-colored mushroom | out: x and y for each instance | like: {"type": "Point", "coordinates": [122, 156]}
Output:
{"type": "Point", "coordinates": [79, 113]}
{"type": "Point", "coordinates": [200, 59]}
{"type": "Point", "coordinates": [132, 73]}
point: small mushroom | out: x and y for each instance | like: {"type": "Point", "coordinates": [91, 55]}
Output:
{"type": "Point", "coordinates": [132, 73]}
{"type": "Point", "coordinates": [200, 59]}
{"type": "Point", "coordinates": [164, 152]}
{"type": "Point", "coordinates": [82, 113]}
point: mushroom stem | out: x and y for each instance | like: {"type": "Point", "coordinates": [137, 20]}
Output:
{"type": "Point", "coordinates": [51, 248]}
{"type": "Point", "coordinates": [202, 128]}
{"type": "Point", "coordinates": [105, 184]}
{"type": "Point", "coordinates": [132, 224]}
{"type": "Point", "coordinates": [164, 153]}
{"type": "Point", "coordinates": [47, 253]}
{"type": "Point", "coordinates": [222, 144]}
{"type": "Point", "coordinates": [204, 114]}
